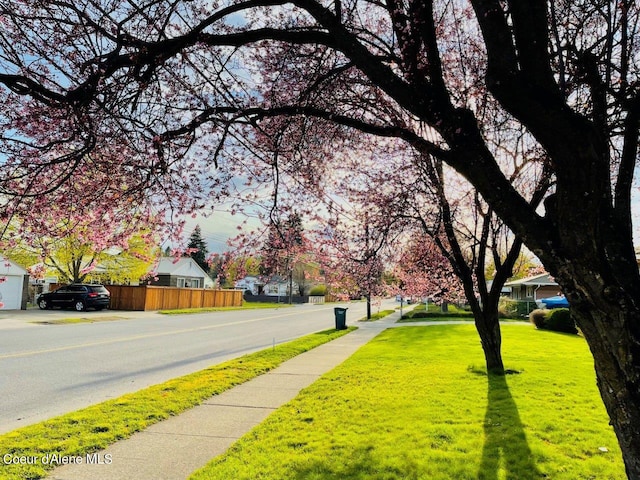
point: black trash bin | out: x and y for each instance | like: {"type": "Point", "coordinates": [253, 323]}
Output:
{"type": "Point", "coordinates": [341, 318]}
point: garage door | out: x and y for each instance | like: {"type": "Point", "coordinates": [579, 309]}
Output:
{"type": "Point", "coordinates": [11, 293]}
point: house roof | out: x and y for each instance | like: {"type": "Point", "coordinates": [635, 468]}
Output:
{"type": "Point", "coordinates": [186, 266]}
{"type": "Point", "coordinates": [7, 267]}
{"type": "Point", "coordinates": [276, 279]}
{"type": "Point", "coordinates": [536, 280]}
{"type": "Point", "coordinates": [248, 280]}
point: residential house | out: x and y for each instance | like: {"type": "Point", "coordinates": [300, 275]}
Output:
{"type": "Point", "coordinates": [533, 288]}
{"type": "Point", "coordinates": [250, 284]}
{"type": "Point", "coordinates": [183, 273]}
{"type": "Point", "coordinates": [273, 287]}
{"type": "Point", "coordinates": [14, 286]}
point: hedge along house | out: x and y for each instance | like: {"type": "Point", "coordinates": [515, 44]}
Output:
{"type": "Point", "coordinates": [183, 273]}
{"type": "Point", "coordinates": [14, 286]}
{"type": "Point", "coordinates": [534, 288]}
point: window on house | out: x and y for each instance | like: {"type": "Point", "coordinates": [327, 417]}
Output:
{"type": "Point", "coordinates": [181, 282]}
{"type": "Point", "coordinates": [273, 289]}
{"type": "Point", "coordinates": [530, 291]}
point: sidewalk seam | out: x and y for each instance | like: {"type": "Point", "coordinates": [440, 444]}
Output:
{"type": "Point", "coordinates": [187, 435]}
{"type": "Point", "coordinates": [240, 406]}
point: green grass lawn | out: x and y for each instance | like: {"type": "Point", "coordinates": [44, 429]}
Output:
{"type": "Point", "coordinates": [416, 403]}
{"type": "Point", "coordinates": [96, 427]}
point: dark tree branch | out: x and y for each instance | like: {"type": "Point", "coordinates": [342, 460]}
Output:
{"type": "Point", "coordinates": [23, 85]}
{"type": "Point", "coordinates": [531, 34]}
{"type": "Point", "coordinates": [628, 162]}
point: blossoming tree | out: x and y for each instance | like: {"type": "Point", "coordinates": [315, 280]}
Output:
{"type": "Point", "coordinates": [166, 84]}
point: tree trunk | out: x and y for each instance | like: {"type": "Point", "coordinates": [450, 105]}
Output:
{"type": "Point", "coordinates": [488, 327]}
{"type": "Point", "coordinates": [368, 306]}
{"type": "Point", "coordinates": [598, 273]}
{"type": "Point", "coordinates": [611, 330]}
{"type": "Point", "coordinates": [620, 393]}
{"type": "Point", "coordinates": [487, 323]}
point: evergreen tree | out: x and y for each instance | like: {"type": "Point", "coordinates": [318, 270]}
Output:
{"type": "Point", "coordinates": [284, 248]}
{"type": "Point", "coordinates": [198, 248]}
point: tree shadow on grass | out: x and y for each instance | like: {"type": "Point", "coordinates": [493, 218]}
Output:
{"type": "Point", "coordinates": [505, 445]}
{"type": "Point", "coordinates": [359, 462]}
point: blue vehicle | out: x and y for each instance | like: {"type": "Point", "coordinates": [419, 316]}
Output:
{"type": "Point", "coordinates": [559, 301]}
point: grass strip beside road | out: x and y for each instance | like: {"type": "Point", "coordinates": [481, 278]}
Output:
{"type": "Point", "coordinates": [182, 311]}
{"type": "Point", "coordinates": [417, 403]}
{"type": "Point", "coordinates": [75, 320]}
{"type": "Point", "coordinates": [245, 306]}
{"type": "Point", "coordinates": [96, 427]}
{"type": "Point", "coordinates": [377, 316]}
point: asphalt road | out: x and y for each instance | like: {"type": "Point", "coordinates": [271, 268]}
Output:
{"type": "Point", "coordinates": [48, 370]}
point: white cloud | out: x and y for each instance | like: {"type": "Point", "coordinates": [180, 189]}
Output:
{"type": "Point", "coordinates": [218, 227]}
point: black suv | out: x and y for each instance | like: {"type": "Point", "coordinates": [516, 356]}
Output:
{"type": "Point", "coordinates": [77, 296]}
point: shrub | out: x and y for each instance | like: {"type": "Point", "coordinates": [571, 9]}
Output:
{"type": "Point", "coordinates": [560, 320]}
{"type": "Point", "coordinates": [538, 317]}
{"type": "Point", "coordinates": [507, 307]}
{"type": "Point", "coordinates": [318, 290]}
{"type": "Point", "coordinates": [556, 320]}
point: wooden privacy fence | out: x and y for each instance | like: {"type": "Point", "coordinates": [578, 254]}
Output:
{"type": "Point", "coordinates": [149, 297]}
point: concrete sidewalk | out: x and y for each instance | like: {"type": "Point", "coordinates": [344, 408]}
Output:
{"type": "Point", "coordinates": [176, 447]}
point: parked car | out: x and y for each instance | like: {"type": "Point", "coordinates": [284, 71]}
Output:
{"type": "Point", "coordinates": [558, 301]}
{"type": "Point", "coordinates": [407, 300]}
{"type": "Point", "coordinates": [77, 296]}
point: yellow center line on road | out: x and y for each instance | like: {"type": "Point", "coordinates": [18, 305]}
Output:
{"type": "Point", "coordinates": [139, 337]}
